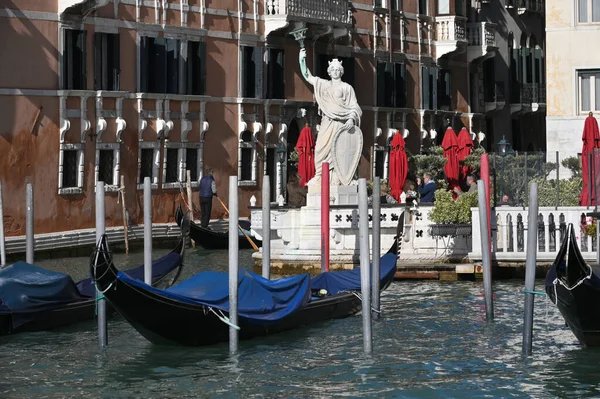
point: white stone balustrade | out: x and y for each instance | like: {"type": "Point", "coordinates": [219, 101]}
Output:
{"type": "Point", "coordinates": [451, 28]}
{"type": "Point", "coordinates": [278, 13]}
{"type": "Point", "coordinates": [481, 34]}
{"type": "Point", "coordinates": [509, 233]}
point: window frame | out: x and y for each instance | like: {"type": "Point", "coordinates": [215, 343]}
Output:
{"type": "Point", "coordinates": [102, 55]}
{"type": "Point", "coordinates": [251, 147]}
{"type": "Point", "coordinates": [78, 188]}
{"type": "Point", "coordinates": [589, 13]}
{"type": "Point", "coordinates": [155, 146]}
{"type": "Point", "coordinates": [593, 100]}
{"type": "Point", "coordinates": [180, 179]}
{"type": "Point", "coordinates": [67, 69]}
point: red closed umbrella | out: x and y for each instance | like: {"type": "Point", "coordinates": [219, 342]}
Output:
{"type": "Point", "coordinates": [398, 166]}
{"type": "Point", "coordinates": [465, 148]}
{"type": "Point", "coordinates": [306, 155]}
{"type": "Point", "coordinates": [450, 146]}
{"type": "Point", "coordinates": [591, 140]}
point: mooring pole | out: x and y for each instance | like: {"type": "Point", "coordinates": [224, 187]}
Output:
{"type": "Point", "coordinates": [375, 294]}
{"type": "Point", "coordinates": [530, 263]}
{"type": "Point", "coordinates": [188, 189]}
{"type": "Point", "coordinates": [365, 273]}
{"type": "Point", "coordinates": [100, 229]}
{"type": "Point", "coordinates": [2, 244]}
{"type": "Point", "coordinates": [485, 250]}
{"type": "Point", "coordinates": [233, 264]}
{"type": "Point", "coordinates": [147, 231]}
{"type": "Point", "coordinates": [266, 227]}
{"type": "Point", "coordinates": [30, 237]}
{"type": "Point", "coordinates": [325, 217]}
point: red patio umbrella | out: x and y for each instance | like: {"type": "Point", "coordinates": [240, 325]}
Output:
{"type": "Point", "coordinates": [465, 148]}
{"type": "Point", "coordinates": [591, 140]}
{"type": "Point", "coordinates": [398, 166]}
{"type": "Point", "coordinates": [450, 146]}
{"type": "Point", "coordinates": [306, 155]}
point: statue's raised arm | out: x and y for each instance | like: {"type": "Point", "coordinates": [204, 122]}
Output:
{"type": "Point", "coordinates": [305, 71]}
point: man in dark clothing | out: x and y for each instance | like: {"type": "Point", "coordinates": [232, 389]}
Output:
{"type": "Point", "coordinates": [426, 188]}
{"type": "Point", "coordinates": [208, 189]}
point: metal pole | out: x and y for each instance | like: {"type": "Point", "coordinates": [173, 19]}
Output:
{"type": "Point", "coordinates": [30, 238]}
{"type": "Point", "coordinates": [530, 263]}
{"type": "Point", "coordinates": [557, 183]}
{"type": "Point", "coordinates": [485, 251]}
{"type": "Point", "coordinates": [485, 176]}
{"type": "Point", "coordinates": [325, 218]}
{"type": "Point", "coordinates": [147, 231]}
{"type": "Point", "coordinates": [2, 245]}
{"type": "Point", "coordinates": [100, 229]}
{"type": "Point", "coordinates": [363, 225]}
{"type": "Point", "coordinates": [266, 227]}
{"type": "Point", "coordinates": [233, 264]}
{"type": "Point", "coordinates": [375, 294]}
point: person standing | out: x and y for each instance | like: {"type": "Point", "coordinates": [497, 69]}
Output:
{"type": "Point", "coordinates": [208, 189]}
{"type": "Point", "coordinates": [426, 188]}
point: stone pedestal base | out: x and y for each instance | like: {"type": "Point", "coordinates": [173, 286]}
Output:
{"type": "Point", "coordinates": [338, 195]}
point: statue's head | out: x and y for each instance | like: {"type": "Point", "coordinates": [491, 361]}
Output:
{"type": "Point", "coordinates": [335, 65]}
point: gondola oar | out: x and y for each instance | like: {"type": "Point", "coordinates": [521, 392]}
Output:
{"type": "Point", "coordinates": [240, 227]}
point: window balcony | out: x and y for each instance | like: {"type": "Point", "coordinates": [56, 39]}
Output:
{"type": "Point", "coordinates": [526, 6]}
{"type": "Point", "coordinates": [481, 37]}
{"type": "Point", "coordinates": [295, 14]}
{"type": "Point", "coordinates": [451, 34]}
{"type": "Point", "coordinates": [494, 97]}
{"type": "Point", "coordinates": [529, 97]}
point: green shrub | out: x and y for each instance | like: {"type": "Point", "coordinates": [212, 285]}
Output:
{"type": "Point", "coordinates": [448, 211]}
{"type": "Point", "coordinates": [569, 192]}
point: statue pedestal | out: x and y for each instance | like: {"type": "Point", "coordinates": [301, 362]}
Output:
{"type": "Point", "coordinates": [338, 195]}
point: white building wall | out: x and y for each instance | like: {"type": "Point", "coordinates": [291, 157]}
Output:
{"type": "Point", "coordinates": [570, 47]}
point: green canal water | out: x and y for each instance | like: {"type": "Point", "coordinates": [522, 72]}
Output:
{"type": "Point", "coordinates": [432, 342]}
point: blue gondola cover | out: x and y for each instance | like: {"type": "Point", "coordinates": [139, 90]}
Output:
{"type": "Point", "coordinates": [260, 300]}
{"type": "Point", "coordinates": [26, 288]}
{"type": "Point", "coordinates": [349, 280]}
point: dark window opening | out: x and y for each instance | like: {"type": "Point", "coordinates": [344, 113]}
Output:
{"type": "Point", "coordinates": [147, 163]}
{"type": "Point", "coordinates": [251, 72]}
{"type": "Point", "coordinates": [74, 60]}
{"type": "Point", "coordinates": [105, 166]}
{"type": "Point", "coordinates": [196, 68]}
{"type": "Point", "coordinates": [69, 169]}
{"type": "Point", "coordinates": [159, 65]}
{"type": "Point", "coordinates": [391, 84]}
{"type": "Point", "coordinates": [445, 89]}
{"type": "Point", "coordinates": [171, 166]}
{"type": "Point", "coordinates": [191, 163]}
{"type": "Point", "coordinates": [106, 61]}
{"type": "Point", "coordinates": [275, 73]}
{"type": "Point", "coordinates": [246, 155]}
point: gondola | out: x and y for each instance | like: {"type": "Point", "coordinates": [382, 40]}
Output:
{"type": "Point", "coordinates": [211, 239]}
{"type": "Point", "coordinates": [194, 312]}
{"type": "Point", "coordinates": [36, 299]}
{"type": "Point", "coordinates": [574, 287]}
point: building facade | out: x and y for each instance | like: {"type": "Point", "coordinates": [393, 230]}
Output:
{"type": "Point", "coordinates": [120, 90]}
{"type": "Point", "coordinates": [513, 79]}
{"type": "Point", "coordinates": [573, 32]}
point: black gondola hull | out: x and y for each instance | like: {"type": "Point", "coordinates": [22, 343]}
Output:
{"type": "Point", "coordinates": [574, 286]}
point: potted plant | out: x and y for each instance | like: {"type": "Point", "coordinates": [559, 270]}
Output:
{"type": "Point", "coordinates": [452, 218]}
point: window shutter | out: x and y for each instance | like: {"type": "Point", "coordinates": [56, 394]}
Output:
{"type": "Point", "coordinates": [143, 61]}
{"type": "Point", "coordinates": [399, 86]}
{"type": "Point", "coordinates": [257, 61]}
{"type": "Point", "coordinates": [425, 94]}
{"type": "Point", "coordinates": [381, 72]}
{"type": "Point", "coordinates": [115, 71]}
{"type": "Point", "coordinates": [82, 43]}
{"type": "Point", "coordinates": [389, 84]}
{"type": "Point", "coordinates": [98, 61]}
{"type": "Point", "coordinates": [279, 75]}
{"type": "Point", "coordinates": [202, 71]}
{"type": "Point", "coordinates": [434, 89]}
{"type": "Point", "coordinates": [348, 64]}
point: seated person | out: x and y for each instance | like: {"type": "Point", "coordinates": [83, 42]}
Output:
{"type": "Point", "coordinates": [296, 194]}
{"type": "Point", "coordinates": [386, 197]}
{"type": "Point", "coordinates": [506, 201]}
{"type": "Point", "coordinates": [426, 188]}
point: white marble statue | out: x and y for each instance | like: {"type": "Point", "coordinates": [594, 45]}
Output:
{"type": "Point", "coordinates": [340, 140]}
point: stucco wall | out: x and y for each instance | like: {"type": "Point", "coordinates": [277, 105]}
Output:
{"type": "Point", "coordinates": [569, 48]}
